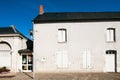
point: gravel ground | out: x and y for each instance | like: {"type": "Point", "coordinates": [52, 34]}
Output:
{"type": "Point", "coordinates": [64, 76]}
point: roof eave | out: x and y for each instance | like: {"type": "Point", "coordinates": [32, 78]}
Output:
{"type": "Point", "coordinates": [12, 35]}
{"type": "Point", "coordinates": [77, 20]}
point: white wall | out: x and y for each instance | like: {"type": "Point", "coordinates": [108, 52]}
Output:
{"type": "Point", "coordinates": [84, 36]}
{"type": "Point", "coordinates": [16, 44]}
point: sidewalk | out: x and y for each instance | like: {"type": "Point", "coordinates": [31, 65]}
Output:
{"type": "Point", "coordinates": [65, 76]}
{"type": "Point", "coordinates": [78, 76]}
{"type": "Point", "coordinates": [18, 76]}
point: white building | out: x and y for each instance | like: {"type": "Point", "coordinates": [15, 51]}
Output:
{"type": "Point", "coordinates": [15, 49]}
{"type": "Point", "coordinates": [77, 42]}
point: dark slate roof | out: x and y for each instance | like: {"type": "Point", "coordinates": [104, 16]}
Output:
{"type": "Point", "coordinates": [77, 16]}
{"type": "Point", "coordinates": [13, 30]}
{"type": "Point", "coordinates": [8, 30]}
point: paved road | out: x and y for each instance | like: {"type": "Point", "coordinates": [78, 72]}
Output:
{"type": "Point", "coordinates": [18, 76]}
{"type": "Point", "coordinates": [65, 76]}
{"type": "Point", "coordinates": [79, 76]}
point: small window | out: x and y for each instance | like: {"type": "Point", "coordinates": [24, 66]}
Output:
{"type": "Point", "coordinates": [62, 35]}
{"type": "Point", "coordinates": [110, 35]}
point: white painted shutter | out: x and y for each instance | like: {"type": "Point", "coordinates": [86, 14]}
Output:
{"type": "Point", "coordinates": [111, 35]}
{"type": "Point", "coordinates": [59, 36]}
{"type": "Point", "coordinates": [59, 59]}
{"type": "Point", "coordinates": [64, 35]}
{"type": "Point", "coordinates": [65, 59]}
{"type": "Point", "coordinates": [62, 59]}
{"type": "Point", "coordinates": [86, 59]}
{"type": "Point", "coordinates": [108, 35]}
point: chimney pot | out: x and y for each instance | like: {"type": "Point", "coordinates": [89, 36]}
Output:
{"type": "Point", "coordinates": [41, 9]}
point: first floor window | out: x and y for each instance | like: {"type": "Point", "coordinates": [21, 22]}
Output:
{"type": "Point", "coordinates": [110, 35]}
{"type": "Point", "coordinates": [62, 35]}
{"type": "Point", "coordinates": [27, 62]}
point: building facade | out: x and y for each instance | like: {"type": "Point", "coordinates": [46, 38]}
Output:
{"type": "Point", "coordinates": [15, 49]}
{"type": "Point", "coordinates": [77, 42]}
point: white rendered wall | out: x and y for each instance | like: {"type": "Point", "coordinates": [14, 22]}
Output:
{"type": "Point", "coordinates": [16, 44]}
{"type": "Point", "coordinates": [90, 36]}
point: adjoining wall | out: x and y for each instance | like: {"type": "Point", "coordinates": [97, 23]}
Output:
{"type": "Point", "coordinates": [16, 43]}
{"type": "Point", "coordinates": [81, 37]}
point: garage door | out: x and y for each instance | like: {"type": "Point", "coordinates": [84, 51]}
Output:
{"type": "Point", "coordinates": [5, 56]}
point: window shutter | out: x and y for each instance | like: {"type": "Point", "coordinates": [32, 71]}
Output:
{"type": "Point", "coordinates": [108, 35]}
{"type": "Point", "coordinates": [65, 59]}
{"type": "Point", "coordinates": [111, 35]}
{"type": "Point", "coordinates": [86, 59]}
{"type": "Point", "coordinates": [59, 36]}
{"type": "Point", "coordinates": [59, 59]}
{"type": "Point", "coordinates": [62, 59]}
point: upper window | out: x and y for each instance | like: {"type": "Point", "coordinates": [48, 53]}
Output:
{"type": "Point", "coordinates": [110, 35]}
{"type": "Point", "coordinates": [62, 35]}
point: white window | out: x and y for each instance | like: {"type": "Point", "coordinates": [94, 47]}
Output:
{"type": "Point", "coordinates": [62, 59]}
{"type": "Point", "coordinates": [62, 35]}
{"type": "Point", "coordinates": [27, 61]}
{"type": "Point", "coordinates": [110, 35]}
{"type": "Point", "coordinates": [86, 59]}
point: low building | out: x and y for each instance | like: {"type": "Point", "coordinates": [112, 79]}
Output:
{"type": "Point", "coordinates": [77, 42]}
{"type": "Point", "coordinates": [15, 50]}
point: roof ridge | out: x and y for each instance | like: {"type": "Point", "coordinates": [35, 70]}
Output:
{"type": "Point", "coordinates": [14, 29]}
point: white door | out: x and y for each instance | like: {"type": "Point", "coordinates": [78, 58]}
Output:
{"type": "Point", "coordinates": [110, 63]}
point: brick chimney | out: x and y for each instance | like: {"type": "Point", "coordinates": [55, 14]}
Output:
{"type": "Point", "coordinates": [41, 9]}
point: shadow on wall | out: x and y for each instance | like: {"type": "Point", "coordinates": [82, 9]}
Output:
{"type": "Point", "coordinates": [29, 44]}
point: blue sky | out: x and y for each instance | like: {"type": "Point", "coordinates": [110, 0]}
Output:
{"type": "Point", "coordinates": [21, 12]}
